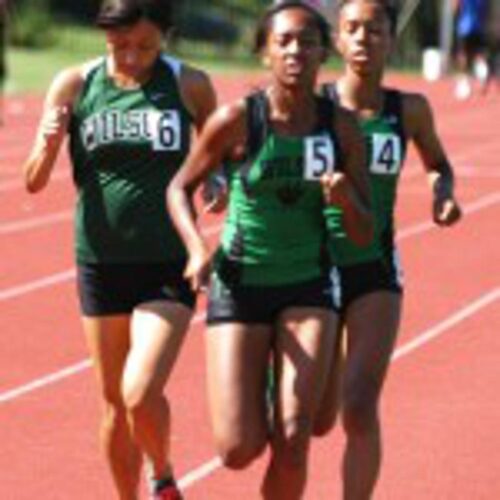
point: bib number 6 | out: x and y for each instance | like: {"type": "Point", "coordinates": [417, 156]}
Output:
{"type": "Point", "coordinates": [167, 131]}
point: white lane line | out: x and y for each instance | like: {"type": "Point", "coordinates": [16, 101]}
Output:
{"type": "Point", "coordinates": [451, 321]}
{"type": "Point", "coordinates": [199, 473]}
{"type": "Point", "coordinates": [17, 184]}
{"type": "Point", "coordinates": [62, 374]}
{"type": "Point", "coordinates": [469, 209]}
{"type": "Point", "coordinates": [19, 225]}
{"type": "Point", "coordinates": [62, 277]}
{"type": "Point", "coordinates": [210, 466]}
{"type": "Point", "coordinates": [55, 279]}
{"type": "Point", "coordinates": [59, 278]}
{"type": "Point", "coordinates": [32, 286]}
{"type": "Point", "coordinates": [50, 379]}
{"type": "Point", "coordinates": [34, 222]}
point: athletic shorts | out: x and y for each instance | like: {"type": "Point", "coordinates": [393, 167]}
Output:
{"type": "Point", "coordinates": [352, 282]}
{"type": "Point", "coordinates": [472, 44]}
{"type": "Point", "coordinates": [107, 289]}
{"type": "Point", "coordinates": [263, 304]}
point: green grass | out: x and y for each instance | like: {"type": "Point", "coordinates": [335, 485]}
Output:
{"type": "Point", "coordinates": [32, 70]}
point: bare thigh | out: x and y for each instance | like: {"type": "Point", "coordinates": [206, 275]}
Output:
{"type": "Point", "coordinates": [109, 343]}
{"type": "Point", "coordinates": [237, 360]}
{"type": "Point", "coordinates": [304, 350]}
{"type": "Point", "coordinates": [372, 323]}
{"type": "Point", "coordinates": [157, 332]}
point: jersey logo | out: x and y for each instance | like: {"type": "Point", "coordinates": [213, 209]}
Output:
{"type": "Point", "coordinates": [157, 96]}
{"type": "Point", "coordinates": [386, 154]}
{"type": "Point", "coordinates": [290, 194]}
{"type": "Point", "coordinates": [162, 129]}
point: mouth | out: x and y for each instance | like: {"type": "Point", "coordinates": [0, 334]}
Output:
{"type": "Point", "coordinates": [294, 68]}
{"type": "Point", "coordinates": [360, 56]}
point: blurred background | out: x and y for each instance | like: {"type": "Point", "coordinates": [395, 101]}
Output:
{"type": "Point", "coordinates": [46, 35]}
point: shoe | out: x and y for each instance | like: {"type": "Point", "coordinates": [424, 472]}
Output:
{"type": "Point", "coordinates": [463, 88]}
{"type": "Point", "coordinates": [169, 492]}
{"type": "Point", "coordinates": [164, 489]}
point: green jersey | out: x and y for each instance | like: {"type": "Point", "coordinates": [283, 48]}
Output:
{"type": "Point", "coordinates": [274, 233]}
{"type": "Point", "coordinates": [386, 147]}
{"type": "Point", "coordinates": [125, 147]}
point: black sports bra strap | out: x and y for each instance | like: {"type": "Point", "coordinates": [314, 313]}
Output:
{"type": "Point", "coordinates": [393, 106]}
{"type": "Point", "coordinates": [257, 122]}
{"type": "Point", "coordinates": [326, 113]}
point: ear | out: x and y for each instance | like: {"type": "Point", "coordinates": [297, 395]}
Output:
{"type": "Point", "coordinates": [325, 55]}
{"type": "Point", "coordinates": [266, 60]}
{"type": "Point", "coordinates": [338, 45]}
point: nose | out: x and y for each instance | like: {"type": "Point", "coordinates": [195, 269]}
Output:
{"type": "Point", "coordinates": [361, 34]}
{"type": "Point", "coordinates": [294, 46]}
{"type": "Point", "coordinates": [130, 57]}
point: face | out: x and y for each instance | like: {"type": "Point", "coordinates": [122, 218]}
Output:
{"type": "Point", "coordinates": [134, 49]}
{"type": "Point", "coordinates": [363, 38]}
{"type": "Point", "coordinates": [293, 50]}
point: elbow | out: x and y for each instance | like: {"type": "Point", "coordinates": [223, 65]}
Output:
{"type": "Point", "coordinates": [34, 178]}
{"type": "Point", "coordinates": [33, 187]}
{"type": "Point", "coordinates": [34, 184]}
{"type": "Point", "coordinates": [173, 193]}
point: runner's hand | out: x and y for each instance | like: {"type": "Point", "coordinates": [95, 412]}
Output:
{"type": "Point", "coordinates": [54, 125]}
{"type": "Point", "coordinates": [446, 211]}
{"type": "Point", "coordinates": [197, 269]}
{"type": "Point", "coordinates": [336, 189]}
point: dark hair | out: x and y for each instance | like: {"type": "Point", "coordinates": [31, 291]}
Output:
{"type": "Point", "coordinates": [264, 23]}
{"type": "Point", "coordinates": [389, 7]}
{"type": "Point", "coordinates": [120, 13]}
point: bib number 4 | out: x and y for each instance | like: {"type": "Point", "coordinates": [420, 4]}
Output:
{"type": "Point", "coordinates": [386, 157]}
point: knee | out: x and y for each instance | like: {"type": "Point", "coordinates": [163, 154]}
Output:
{"type": "Point", "coordinates": [114, 413]}
{"type": "Point", "coordinates": [138, 399]}
{"type": "Point", "coordinates": [360, 416]}
{"type": "Point", "coordinates": [291, 444]}
{"type": "Point", "coordinates": [239, 454]}
{"type": "Point", "coordinates": [325, 418]}
{"type": "Point", "coordinates": [324, 423]}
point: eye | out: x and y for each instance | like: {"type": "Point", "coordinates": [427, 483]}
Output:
{"type": "Point", "coordinates": [350, 27]}
{"type": "Point", "coordinates": [375, 29]}
{"type": "Point", "coordinates": [282, 40]}
{"type": "Point", "coordinates": [309, 41]}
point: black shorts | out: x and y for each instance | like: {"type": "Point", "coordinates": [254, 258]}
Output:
{"type": "Point", "coordinates": [107, 289]}
{"type": "Point", "coordinates": [352, 282]}
{"type": "Point", "coordinates": [263, 304]}
{"type": "Point", "coordinates": [472, 44]}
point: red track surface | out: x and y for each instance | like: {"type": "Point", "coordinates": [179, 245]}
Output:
{"type": "Point", "coordinates": [441, 407]}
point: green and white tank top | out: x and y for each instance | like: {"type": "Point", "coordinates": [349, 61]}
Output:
{"type": "Point", "coordinates": [274, 233]}
{"type": "Point", "coordinates": [386, 150]}
{"type": "Point", "coordinates": [125, 147]}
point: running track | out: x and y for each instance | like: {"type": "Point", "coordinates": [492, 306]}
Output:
{"type": "Point", "coordinates": [441, 407]}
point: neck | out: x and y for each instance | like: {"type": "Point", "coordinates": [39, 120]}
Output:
{"type": "Point", "coordinates": [292, 112]}
{"type": "Point", "coordinates": [360, 92]}
{"type": "Point", "coordinates": [126, 80]}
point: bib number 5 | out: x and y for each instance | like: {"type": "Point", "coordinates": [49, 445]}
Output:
{"type": "Point", "coordinates": [319, 157]}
